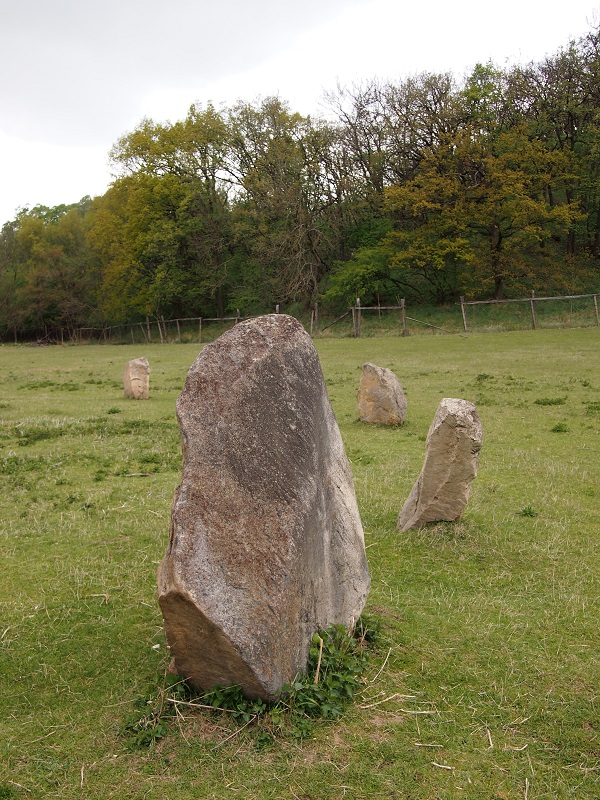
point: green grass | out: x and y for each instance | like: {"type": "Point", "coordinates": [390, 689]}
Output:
{"type": "Point", "coordinates": [488, 658]}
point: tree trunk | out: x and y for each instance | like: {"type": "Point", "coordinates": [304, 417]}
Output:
{"type": "Point", "coordinates": [496, 249]}
{"type": "Point", "coordinates": [571, 234]}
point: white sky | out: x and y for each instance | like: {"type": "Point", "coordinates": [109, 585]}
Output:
{"type": "Point", "coordinates": [75, 75]}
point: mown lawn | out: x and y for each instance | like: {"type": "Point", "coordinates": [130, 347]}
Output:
{"type": "Point", "coordinates": [485, 680]}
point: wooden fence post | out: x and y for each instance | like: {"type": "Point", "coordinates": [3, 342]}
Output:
{"type": "Point", "coordinates": [403, 312]}
{"type": "Point", "coordinates": [148, 329]}
{"type": "Point", "coordinates": [277, 308]}
{"type": "Point", "coordinates": [533, 320]}
{"type": "Point", "coordinates": [200, 330]}
{"type": "Point", "coordinates": [358, 317]}
{"type": "Point", "coordinates": [463, 312]}
{"type": "Point", "coordinates": [316, 317]}
{"type": "Point", "coordinates": [596, 309]}
{"type": "Point", "coordinates": [178, 331]}
{"type": "Point", "coordinates": [237, 318]}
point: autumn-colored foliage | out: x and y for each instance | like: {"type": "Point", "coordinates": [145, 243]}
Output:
{"type": "Point", "coordinates": [422, 189]}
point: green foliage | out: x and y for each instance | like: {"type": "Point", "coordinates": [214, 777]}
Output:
{"type": "Point", "coordinates": [366, 275]}
{"type": "Point", "coordinates": [336, 662]}
{"type": "Point", "coordinates": [475, 218]}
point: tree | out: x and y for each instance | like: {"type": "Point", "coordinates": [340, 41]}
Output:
{"type": "Point", "coordinates": [12, 278]}
{"type": "Point", "coordinates": [289, 213]}
{"type": "Point", "coordinates": [60, 285]}
{"type": "Point", "coordinates": [478, 214]}
{"type": "Point", "coordinates": [164, 228]}
{"type": "Point", "coordinates": [560, 101]}
{"type": "Point", "coordinates": [387, 128]}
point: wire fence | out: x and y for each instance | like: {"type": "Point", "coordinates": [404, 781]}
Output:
{"type": "Point", "coordinates": [158, 330]}
{"type": "Point", "coordinates": [575, 310]}
{"type": "Point", "coordinates": [581, 310]}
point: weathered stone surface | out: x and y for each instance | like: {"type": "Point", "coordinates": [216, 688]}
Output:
{"type": "Point", "coordinates": [136, 379]}
{"type": "Point", "coordinates": [380, 396]}
{"type": "Point", "coordinates": [266, 544]}
{"type": "Point", "coordinates": [453, 444]}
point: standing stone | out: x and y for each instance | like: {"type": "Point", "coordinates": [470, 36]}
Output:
{"type": "Point", "coordinates": [136, 379]}
{"type": "Point", "coordinates": [453, 444]}
{"type": "Point", "coordinates": [266, 544]}
{"type": "Point", "coordinates": [380, 396]}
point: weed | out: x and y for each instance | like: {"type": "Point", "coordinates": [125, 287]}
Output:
{"type": "Point", "coordinates": [68, 386]}
{"type": "Point", "coordinates": [15, 465]}
{"type": "Point", "coordinates": [356, 456]}
{"type": "Point", "coordinates": [114, 410]}
{"type": "Point", "coordinates": [336, 661]}
{"type": "Point", "coordinates": [45, 384]}
{"type": "Point", "coordinates": [337, 658]}
{"type": "Point", "coordinates": [550, 401]}
{"type": "Point", "coordinates": [149, 721]}
{"type": "Point", "coordinates": [150, 458]}
{"type": "Point", "coordinates": [560, 427]}
{"type": "Point", "coordinates": [528, 511]}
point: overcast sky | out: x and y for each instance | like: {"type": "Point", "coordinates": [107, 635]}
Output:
{"type": "Point", "coordinates": [76, 75]}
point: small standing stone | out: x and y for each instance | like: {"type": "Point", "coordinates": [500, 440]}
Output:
{"type": "Point", "coordinates": [380, 396]}
{"type": "Point", "coordinates": [453, 444]}
{"type": "Point", "coordinates": [266, 544]}
{"type": "Point", "coordinates": [136, 379]}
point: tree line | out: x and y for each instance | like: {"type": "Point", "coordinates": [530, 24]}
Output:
{"type": "Point", "coordinates": [426, 188]}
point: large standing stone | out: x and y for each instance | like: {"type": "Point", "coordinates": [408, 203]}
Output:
{"type": "Point", "coordinates": [266, 544]}
{"type": "Point", "coordinates": [136, 379]}
{"type": "Point", "coordinates": [380, 396]}
{"type": "Point", "coordinates": [453, 444]}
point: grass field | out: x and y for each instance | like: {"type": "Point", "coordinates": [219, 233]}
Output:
{"type": "Point", "coordinates": [485, 681]}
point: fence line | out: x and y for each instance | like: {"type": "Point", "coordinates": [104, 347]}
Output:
{"type": "Point", "coordinates": [192, 328]}
{"type": "Point", "coordinates": [358, 309]}
{"type": "Point", "coordinates": [531, 300]}
{"type": "Point", "coordinates": [106, 332]}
